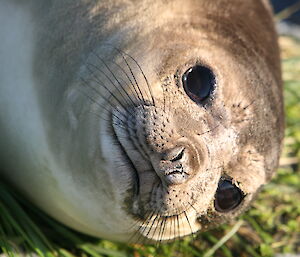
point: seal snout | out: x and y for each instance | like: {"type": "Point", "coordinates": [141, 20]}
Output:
{"type": "Point", "coordinates": [174, 165]}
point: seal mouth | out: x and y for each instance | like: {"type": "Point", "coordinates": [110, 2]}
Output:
{"type": "Point", "coordinates": [127, 160]}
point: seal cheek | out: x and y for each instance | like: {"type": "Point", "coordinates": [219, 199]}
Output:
{"type": "Point", "coordinates": [248, 169]}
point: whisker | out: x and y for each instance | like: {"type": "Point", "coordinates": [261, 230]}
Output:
{"type": "Point", "coordinates": [100, 94]}
{"type": "Point", "coordinates": [151, 226]}
{"type": "Point", "coordinates": [178, 226]}
{"type": "Point", "coordinates": [96, 79]}
{"type": "Point", "coordinates": [161, 230]}
{"type": "Point", "coordinates": [166, 221]}
{"type": "Point", "coordinates": [159, 217]}
{"type": "Point", "coordinates": [107, 67]}
{"type": "Point", "coordinates": [136, 95]}
{"type": "Point", "coordinates": [188, 202]}
{"type": "Point", "coordinates": [141, 232]}
{"type": "Point", "coordinates": [171, 226]}
{"type": "Point", "coordinates": [209, 131]}
{"type": "Point", "coordinates": [134, 84]}
{"type": "Point", "coordinates": [108, 90]}
{"type": "Point", "coordinates": [193, 234]}
{"type": "Point", "coordinates": [107, 120]}
{"type": "Point", "coordinates": [131, 72]}
{"type": "Point", "coordinates": [151, 93]}
{"type": "Point", "coordinates": [252, 102]}
{"type": "Point", "coordinates": [146, 227]}
{"type": "Point", "coordinates": [126, 124]}
{"type": "Point", "coordinates": [192, 207]}
{"type": "Point", "coordinates": [94, 101]}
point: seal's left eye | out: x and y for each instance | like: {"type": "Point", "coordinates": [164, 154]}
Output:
{"type": "Point", "coordinates": [228, 196]}
{"type": "Point", "coordinates": [198, 82]}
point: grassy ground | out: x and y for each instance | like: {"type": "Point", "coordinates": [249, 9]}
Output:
{"type": "Point", "coordinates": [271, 226]}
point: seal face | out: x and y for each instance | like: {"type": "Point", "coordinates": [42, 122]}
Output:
{"type": "Point", "coordinates": [173, 134]}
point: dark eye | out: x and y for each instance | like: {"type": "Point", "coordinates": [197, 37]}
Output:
{"type": "Point", "coordinates": [228, 196]}
{"type": "Point", "coordinates": [198, 82]}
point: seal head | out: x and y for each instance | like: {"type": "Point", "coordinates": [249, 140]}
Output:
{"type": "Point", "coordinates": [173, 134]}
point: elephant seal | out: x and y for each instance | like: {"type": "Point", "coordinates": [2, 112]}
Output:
{"type": "Point", "coordinates": [141, 120]}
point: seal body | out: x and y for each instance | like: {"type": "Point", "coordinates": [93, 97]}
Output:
{"type": "Point", "coordinates": [139, 119]}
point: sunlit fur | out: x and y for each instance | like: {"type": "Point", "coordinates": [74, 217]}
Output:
{"type": "Point", "coordinates": [94, 114]}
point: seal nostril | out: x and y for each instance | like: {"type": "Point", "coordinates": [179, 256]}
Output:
{"type": "Point", "coordinates": [178, 156]}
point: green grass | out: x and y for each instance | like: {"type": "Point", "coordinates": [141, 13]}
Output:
{"type": "Point", "coordinates": [271, 226]}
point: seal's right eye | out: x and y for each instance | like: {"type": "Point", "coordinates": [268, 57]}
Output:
{"type": "Point", "coordinates": [228, 196]}
{"type": "Point", "coordinates": [198, 82]}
